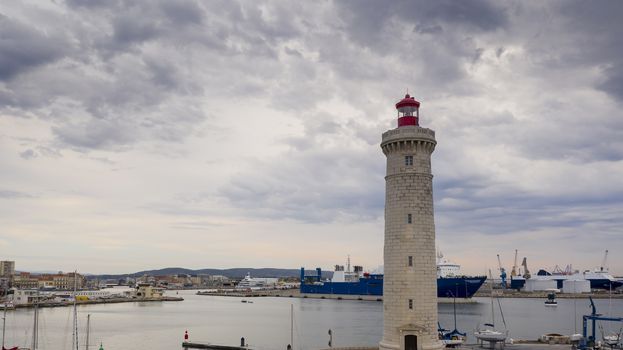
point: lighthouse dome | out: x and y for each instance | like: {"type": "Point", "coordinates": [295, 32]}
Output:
{"type": "Point", "coordinates": [408, 101]}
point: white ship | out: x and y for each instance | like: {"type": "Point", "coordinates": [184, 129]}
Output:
{"type": "Point", "coordinates": [256, 283]}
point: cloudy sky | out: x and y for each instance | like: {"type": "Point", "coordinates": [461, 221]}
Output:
{"type": "Point", "coordinates": [139, 135]}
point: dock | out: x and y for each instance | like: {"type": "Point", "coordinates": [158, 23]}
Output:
{"type": "Point", "coordinates": [295, 293]}
{"type": "Point", "coordinates": [190, 345]}
{"type": "Point", "coordinates": [527, 346]}
{"type": "Point", "coordinates": [98, 301]}
{"type": "Point", "coordinates": [510, 293]}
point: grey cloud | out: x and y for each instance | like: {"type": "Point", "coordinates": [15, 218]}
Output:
{"type": "Point", "coordinates": [311, 187]}
{"type": "Point", "coordinates": [366, 19]}
{"type": "Point", "coordinates": [479, 14]}
{"type": "Point", "coordinates": [183, 12]}
{"type": "Point", "coordinates": [28, 154]}
{"type": "Point", "coordinates": [90, 3]}
{"type": "Point", "coordinates": [428, 29]}
{"type": "Point", "coordinates": [576, 35]}
{"type": "Point", "coordinates": [163, 73]}
{"type": "Point", "coordinates": [613, 82]}
{"type": "Point", "coordinates": [23, 48]}
{"type": "Point", "coordinates": [9, 194]}
{"type": "Point", "coordinates": [130, 29]}
{"type": "Point", "coordinates": [40, 150]}
{"type": "Point", "coordinates": [479, 204]}
{"type": "Point", "coordinates": [96, 133]}
{"type": "Point", "coordinates": [137, 60]}
{"type": "Point", "coordinates": [318, 183]}
{"type": "Point", "coordinates": [292, 52]}
{"type": "Point", "coordinates": [566, 139]}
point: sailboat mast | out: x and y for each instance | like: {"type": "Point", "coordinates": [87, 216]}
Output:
{"type": "Point", "coordinates": [292, 325]}
{"type": "Point", "coordinates": [456, 291]}
{"type": "Point", "coordinates": [35, 328]}
{"type": "Point", "coordinates": [88, 329]}
{"type": "Point", "coordinates": [4, 323]}
{"type": "Point", "coordinates": [492, 310]}
{"type": "Point", "coordinates": [75, 330]}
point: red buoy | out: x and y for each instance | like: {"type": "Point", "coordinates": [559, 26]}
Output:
{"type": "Point", "coordinates": [186, 336]}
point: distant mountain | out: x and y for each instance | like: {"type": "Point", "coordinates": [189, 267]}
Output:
{"type": "Point", "coordinates": [239, 272]}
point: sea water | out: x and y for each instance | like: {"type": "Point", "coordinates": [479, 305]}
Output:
{"type": "Point", "coordinates": [266, 323]}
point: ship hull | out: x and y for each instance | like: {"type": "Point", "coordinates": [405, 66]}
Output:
{"type": "Point", "coordinates": [605, 284]}
{"type": "Point", "coordinates": [447, 287]}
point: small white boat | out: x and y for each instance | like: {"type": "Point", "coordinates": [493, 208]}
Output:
{"type": "Point", "coordinates": [7, 305]}
{"type": "Point", "coordinates": [490, 335]}
{"type": "Point", "coordinates": [452, 343]}
{"type": "Point", "coordinates": [612, 339]}
{"type": "Point", "coordinates": [551, 300]}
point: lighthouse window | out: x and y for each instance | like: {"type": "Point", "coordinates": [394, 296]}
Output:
{"type": "Point", "coordinates": [410, 260]}
{"type": "Point", "coordinates": [408, 160]}
{"type": "Point", "coordinates": [411, 304]}
{"type": "Point", "coordinates": [409, 219]}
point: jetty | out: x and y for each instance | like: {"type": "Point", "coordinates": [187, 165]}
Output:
{"type": "Point", "coordinates": [511, 293]}
{"type": "Point", "coordinates": [295, 293]}
{"type": "Point", "coordinates": [189, 345]}
{"type": "Point", "coordinates": [96, 301]}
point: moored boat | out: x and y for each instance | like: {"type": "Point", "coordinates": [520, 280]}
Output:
{"type": "Point", "coordinates": [490, 334]}
{"type": "Point", "coordinates": [551, 299]}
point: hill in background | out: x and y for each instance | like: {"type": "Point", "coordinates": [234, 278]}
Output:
{"type": "Point", "coordinates": [235, 273]}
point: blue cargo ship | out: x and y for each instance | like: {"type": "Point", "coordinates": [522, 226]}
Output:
{"type": "Point", "coordinates": [449, 283]}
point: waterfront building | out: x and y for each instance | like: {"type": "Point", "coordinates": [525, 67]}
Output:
{"type": "Point", "coordinates": [7, 268]}
{"type": "Point", "coordinates": [59, 281]}
{"type": "Point", "coordinates": [24, 280]}
{"type": "Point", "coordinates": [26, 296]}
{"type": "Point", "coordinates": [410, 281]}
{"type": "Point", "coordinates": [146, 290]}
{"type": "Point", "coordinates": [68, 281]}
{"type": "Point", "coordinates": [46, 282]}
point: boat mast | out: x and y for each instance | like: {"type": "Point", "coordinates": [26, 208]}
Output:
{"type": "Point", "coordinates": [348, 264]}
{"type": "Point", "coordinates": [35, 329]}
{"type": "Point", "coordinates": [456, 291]}
{"type": "Point", "coordinates": [74, 339]}
{"type": "Point", "coordinates": [492, 310]}
{"type": "Point", "coordinates": [4, 323]}
{"type": "Point", "coordinates": [88, 330]}
{"type": "Point", "coordinates": [292, 325]}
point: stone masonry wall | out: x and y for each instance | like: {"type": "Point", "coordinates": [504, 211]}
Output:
{"type": "Point", "coordinates": [409, 191]}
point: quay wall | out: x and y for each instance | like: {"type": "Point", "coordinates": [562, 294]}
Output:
{"type": "Point", "coordinates": [295, 293]}
{"type": "Point", "coordinates": [98, 301]}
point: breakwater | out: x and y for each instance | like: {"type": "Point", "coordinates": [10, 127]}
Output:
{"type": "Point", "coordinates": [97, 301]}
{"type": "Point", "coordinates": [295, 293]}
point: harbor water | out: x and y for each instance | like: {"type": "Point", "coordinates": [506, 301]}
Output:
{"type": "Point", "coordinates": [265, 323]}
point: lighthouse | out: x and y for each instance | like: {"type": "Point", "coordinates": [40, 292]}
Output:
{"type": "Point", "coordinates": [410, 281]}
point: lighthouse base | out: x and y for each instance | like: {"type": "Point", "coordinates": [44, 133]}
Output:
{"type": "Point", "coordinates": [412, 337]}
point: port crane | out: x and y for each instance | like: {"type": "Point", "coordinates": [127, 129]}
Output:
{"type": "Point", "coordinates": [588, 341]}
{"type": "Point", "coordinates": [514, 270]}
{"type": "Point", "coordinates": [502, 272]}
{"type": "Point", "coordinates": [526, 272]}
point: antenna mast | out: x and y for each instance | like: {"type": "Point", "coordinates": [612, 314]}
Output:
{"type": "Point", "coordinates": [603, 263]}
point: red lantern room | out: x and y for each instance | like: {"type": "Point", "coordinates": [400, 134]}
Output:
{"type": "Point", "coordinates": [408, 111]}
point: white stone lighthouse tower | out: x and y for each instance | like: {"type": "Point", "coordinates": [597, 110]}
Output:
{"type": "Point", "coordinates": [410, 282]}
